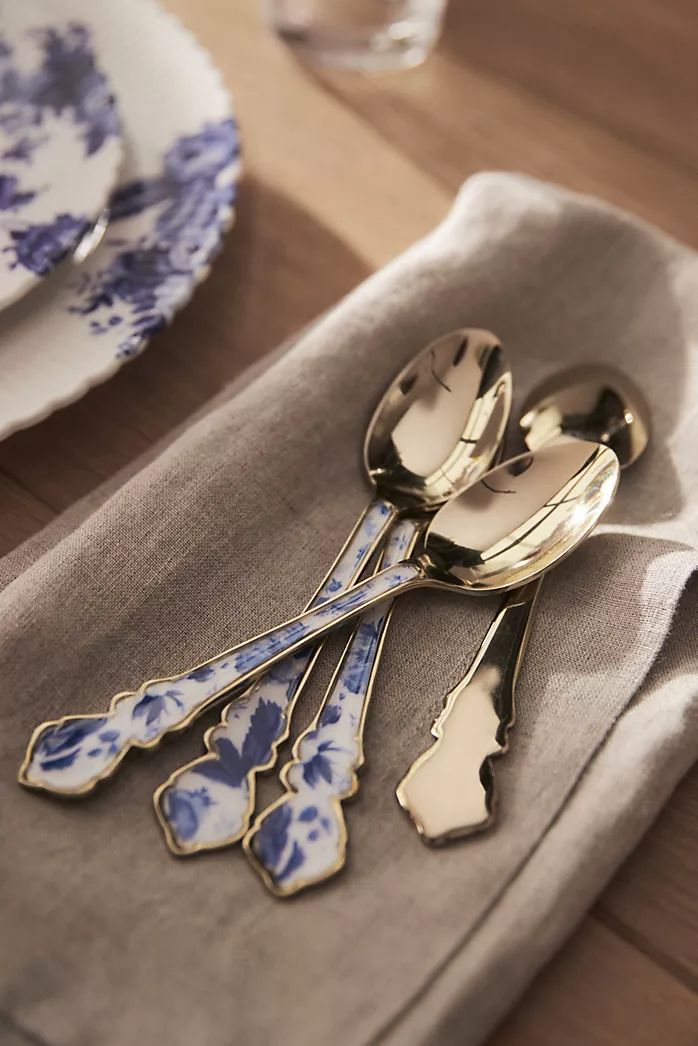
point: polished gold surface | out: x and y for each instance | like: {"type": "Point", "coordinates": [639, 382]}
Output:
{"type": "Point", "coordinates": [522, 518]}
{"type": "Point", "coordinates": [441, 421]}
{"type": "Point", "coordinates": [594, 402]}
{"type": "Point", "coordinates": [449, 791]}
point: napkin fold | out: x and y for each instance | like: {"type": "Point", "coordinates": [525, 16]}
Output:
{"type": "Point", "coordinates": [106, 937]}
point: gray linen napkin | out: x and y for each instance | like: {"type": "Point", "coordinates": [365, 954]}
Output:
{"type": "Point", "coordinates": [107, 938]}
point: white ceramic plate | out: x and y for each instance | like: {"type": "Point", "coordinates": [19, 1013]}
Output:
{"type": "Point", "coordinates": [60, 144]}
{"type": "Point", "coordinates": [174, 201]}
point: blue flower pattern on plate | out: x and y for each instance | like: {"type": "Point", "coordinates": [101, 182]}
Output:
{"type": "Point", "coordinates": [301, 839]}
{"type": "Point", "coordinates": [148, 278]}
{"type": "Point", "coordinates": [65, 84]}
{"type": "Point", "coordinates": [38, 247]}
{"type": "Point", "coordinates": [193, 694]}
{"type": "Point", "coordinates": [254, 724]}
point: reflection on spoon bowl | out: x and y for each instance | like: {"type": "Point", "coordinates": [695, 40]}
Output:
{"type": "Point", "coordinates": [593, 402]}
{"type": "Point", "coordinates": [522, 518]}
{"type": "Point", "coordinates": [438, 426]}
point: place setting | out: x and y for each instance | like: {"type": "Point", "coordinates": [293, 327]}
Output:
{"type": "Point", "coordinates": [333, 704]}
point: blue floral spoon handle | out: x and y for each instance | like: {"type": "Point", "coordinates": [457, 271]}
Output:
{"type": "Point", "coordinates": [69, 756]}
{"type": "Point", "coordinates": [301, 839]}
{"type": "Point", "coordinates": [208, 803]}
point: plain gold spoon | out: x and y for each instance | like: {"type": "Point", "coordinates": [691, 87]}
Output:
{"type": "Point", "coordinates": [449, 791]}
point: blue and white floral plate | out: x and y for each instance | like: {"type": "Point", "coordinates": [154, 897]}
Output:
{"type": "Point", "coordinates": [60, 144]}
{"type": "Point", "coordinates": [168, 214]}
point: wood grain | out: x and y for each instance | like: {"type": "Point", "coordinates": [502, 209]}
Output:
{"type": "Point", "coordinates": [626, 65]}
{"type": "Point", "coordinates": [22, 513]}
{"type": "Point", "coordinates": [343, 173]}
{"type": "Point", "coordinates": [652, 900]}
{"type": "Point", "coordinates": [499, 126]}
{"type": "Point", "coordinates": [600, 991]}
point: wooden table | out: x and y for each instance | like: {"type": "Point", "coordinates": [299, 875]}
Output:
{"type": "Point", "coordinates": [343, 173]}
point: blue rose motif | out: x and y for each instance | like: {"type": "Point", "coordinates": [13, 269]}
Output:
{"type": "Point", "coordinates": [66, 81]}
{"type": "Point", "coordinates": [69, 734]}
{"type": "Point", "coordinates": [137, 273]}
{"type": "Point", "coordinates": [136, 196]}
{"type": "Point", "coordinates": [150, 276]}
{"type": "Point", "coordinates": [39, 247]}
{"type": "Point", "coordinates": [187, 221]}
{"type": "Point", "coordinates": [271, 837]}
{"type": "Point", "coordinates": [11, 196]}
{"type": "Point", "coordinates": [183, 809]}
{"type": "Point", "coordinates": [202, 155]}
{"type": "Point", "coordinates": [69, 80]}
{"type": "Point", "coordinates": [98, 114]}
{"type": "Point", "coordinates": [59, 746]}
{"type": "Point", "coordinates": [67, 64]}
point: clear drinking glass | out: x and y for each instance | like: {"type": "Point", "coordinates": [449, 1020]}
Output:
{"type": "Point", "coordinates": [358, 34]}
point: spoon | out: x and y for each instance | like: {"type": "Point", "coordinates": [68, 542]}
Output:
{"type": "Point", "coordinates": [449, 791]}
{"type": "Point", "coordinates": [208, 803]}
{"type": "Point", "coordinates": [435, 430]}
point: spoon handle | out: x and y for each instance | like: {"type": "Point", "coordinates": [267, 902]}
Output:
{"type": "Point", "coordinates": [301, 839]}
{"type": "Point", "coordinates": [449, 791]}
{"type": "Point", "coordinates": [70, 755]}
{"type": "Point", "coordinates": [204, 805]}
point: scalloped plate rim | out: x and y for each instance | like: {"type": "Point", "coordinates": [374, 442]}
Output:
{"type": "Point", "coordinates": [111, 365]}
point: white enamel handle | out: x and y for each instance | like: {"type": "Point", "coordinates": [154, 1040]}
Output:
{"type": "Point", "coordinates": [301, 839]}
{"type": "Point", "coordinates": [70, 755]}
{"type": "Point", "coordinates": [209, 803]}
